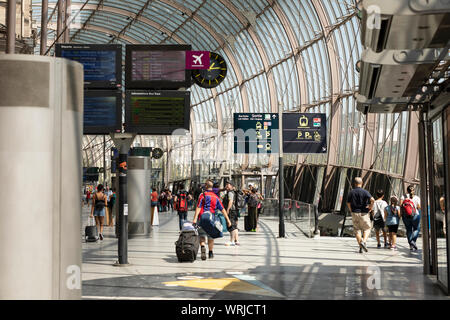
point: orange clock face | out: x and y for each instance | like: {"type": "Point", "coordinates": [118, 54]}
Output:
{"type": "Point", "coordinates": [212, 77]}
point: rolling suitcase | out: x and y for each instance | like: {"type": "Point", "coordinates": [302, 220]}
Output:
{"type": "Point", "coordinates": [187, 245]}
{"type": "Point", "coordinates": [90, 232]}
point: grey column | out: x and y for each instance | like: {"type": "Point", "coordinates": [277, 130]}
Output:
{"type": "Point", "coordinates": [44, 20]}
{"type": "Point", "coordinates": [67, 13]}
{"type": "Point", "coordinates": [40, 240]}
{"type": "Point", "coordinates": [11, 26]}
{"type": "Point", "coordinates": [60, 18]}
{"type": "Point", "coordinates": [424, 194]}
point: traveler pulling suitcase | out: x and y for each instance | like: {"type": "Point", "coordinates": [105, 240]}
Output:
{"type": "Point", "coordinates": [90, 232]}
{"type": "Point", "coordinates": [187, 245]}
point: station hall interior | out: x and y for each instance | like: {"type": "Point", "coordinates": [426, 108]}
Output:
{"type": "Point", "coordinates": [287, 99]}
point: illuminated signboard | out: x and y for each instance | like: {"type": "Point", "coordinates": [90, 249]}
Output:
{"type": "Point", "coordinates": [156, 67]}
{"type": "Point", "coordinates": [102, 112]}
{"type": "Point", "coordinates": [256, 133]}
{"type": "Point", "coordinates": [102, 63]}
{"type": "Point", "coordinates": [157, 112]}
{"type": "Point", "coordinates": [304, 133]}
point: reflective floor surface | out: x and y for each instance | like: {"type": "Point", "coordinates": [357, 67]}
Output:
{"type": "Point", "coordinates": [263, 267]}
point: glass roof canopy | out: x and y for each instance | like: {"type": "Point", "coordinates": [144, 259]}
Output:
{"type": "Point", "coordinates": [299, 55]}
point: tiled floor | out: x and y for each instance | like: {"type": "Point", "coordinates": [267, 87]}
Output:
{"type": "Point", "coordinates": [263, 267]}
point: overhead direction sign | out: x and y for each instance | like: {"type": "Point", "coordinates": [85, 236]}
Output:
{"type": "Point", "coordinates": [256, 133]}
{"type": "Point", "coordinates": [304, 133]}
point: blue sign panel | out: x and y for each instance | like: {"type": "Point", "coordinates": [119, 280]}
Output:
{"type": "Point", "coordinates": [256, 133]}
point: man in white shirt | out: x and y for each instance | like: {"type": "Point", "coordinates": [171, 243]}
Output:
{"type": "Point", "coordinates": [378, 218]}
{"type": "Point", "coordinates": [412, 224]}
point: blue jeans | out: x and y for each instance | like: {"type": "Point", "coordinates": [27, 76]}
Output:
{"type": "Point", "coordinates": [412, 226]}
{"type": "Point", "coordinates": [182, 216]}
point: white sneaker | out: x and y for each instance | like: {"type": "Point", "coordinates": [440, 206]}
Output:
{"type": "Point", "coordinates": [229, 243]}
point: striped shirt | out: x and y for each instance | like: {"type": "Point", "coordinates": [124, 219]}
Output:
{"type": "Point", "coordinates": [209, 201]}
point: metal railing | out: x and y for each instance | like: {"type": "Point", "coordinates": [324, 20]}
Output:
{"type": "Point", "coordinates": [304, 215]}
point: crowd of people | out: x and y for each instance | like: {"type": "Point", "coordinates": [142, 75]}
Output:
{"type": "Point", "coordinates": [367, 212]}
{"type": "Point", "coordinates": [383, 217]}
{"type": "Point", "coordinates": [210, 197]}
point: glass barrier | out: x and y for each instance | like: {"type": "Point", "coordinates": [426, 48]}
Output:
{"type": "Point", "coordinates": [304, 215]}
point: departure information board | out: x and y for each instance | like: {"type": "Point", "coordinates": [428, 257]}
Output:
{"type": "Point", "coordinates": [102, 112]}
{"type": "Point", "coordinates": [156, 67]}
{"type": "Point", "coordinates": [256, 133]}
{"type": "Point", "coordinates": [102, 63]}
{"type": "Point", "coordinates": [157, 112]}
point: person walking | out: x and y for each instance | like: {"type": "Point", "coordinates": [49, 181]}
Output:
{"type": "Point", "coordinates": [111, 202]}
{"type": "Point", "coordinates": [360, 203]}
{"type": "Point", "coordinates": [229, 202]}
{"type": "Point", "coordinates": [379, 218]}
{"type": "Point", "coordinates": [412, 221]}
{"type": "Point", "coordinates": [392, 216]}
{"type": "Point", "coordinates": [181, 202]}
{"type": "Point", "coordinates": [208, 201]}
{"type": "Point", "coordinates": [153, 204]}
{"type": "Point", "coordinates": [169, 200]}
{"type": "Point", "coordinates": [88, 196]}
{"type": "Point", "coordinates": [252, 204]}
{"type": "Point", "coordinates": [98, 209]}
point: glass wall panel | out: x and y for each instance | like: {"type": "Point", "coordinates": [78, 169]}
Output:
{"type": "Point", "coordinates": [439, 199]}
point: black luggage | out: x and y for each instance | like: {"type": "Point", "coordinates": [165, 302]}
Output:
{"type": "Point", "coordinates": [247, 226]}
{"type": "Point", "coordinates": [90, 232]}
{"type": "Point", "coordinates": [187, 245]}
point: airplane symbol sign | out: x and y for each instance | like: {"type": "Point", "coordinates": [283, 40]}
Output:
{"type": "Point", "coordinates": [197, 60]}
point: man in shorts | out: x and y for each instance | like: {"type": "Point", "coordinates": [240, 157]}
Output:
{"type": "Point", "coordinates": [230, 205]}
{"type": "Point", "coordinates": [360, 203]}
{"type": "Point", "coordinates": [208, 201]}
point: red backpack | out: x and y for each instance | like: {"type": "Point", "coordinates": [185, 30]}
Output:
{"type": "Point", "coordinates": [408, 208]}
{"type": "Point", "coordinates": [182, 205]}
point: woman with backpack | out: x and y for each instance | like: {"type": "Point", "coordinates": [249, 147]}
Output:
{"type": "Point", "coordinates": [410, 207]}
{"type": "Point", "coordinates": [252, 204]}
{"type": "Point", "coordinates": [379, 218]}
{"type": "Point", "coordinates": [99, 202]}
{"type": "Point", "coordinates": [181, 204]}
{"type": "Point", "coordinates": [392, 216]}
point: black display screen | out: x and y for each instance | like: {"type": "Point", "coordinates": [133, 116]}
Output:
{"type": "Point", "coordinates": [157, 112]}
{"type": "Point", "coordinates": [102, 63]}
{"type": "Point", "coordinates": [102, 112]}
{"type": "Point", "coordinates": [156, 67]}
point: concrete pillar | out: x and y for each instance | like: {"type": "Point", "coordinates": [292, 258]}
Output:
{"type": "Point", "coordinates": [41, 130]}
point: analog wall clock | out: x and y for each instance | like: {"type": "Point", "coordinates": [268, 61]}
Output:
{"type": "Point", "coordinates": [157, 153]}
{"type": "Point", "coordinates": [212, 77]}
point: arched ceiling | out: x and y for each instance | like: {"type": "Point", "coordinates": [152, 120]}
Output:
{"type": "Point", "coordinates": [289, 53]}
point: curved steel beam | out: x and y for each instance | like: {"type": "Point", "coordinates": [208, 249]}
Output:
{"type": "Point", "coordinates": [106, 31]}
{"type": "Point", "coordinates": [262, 53]}
{"type": "Point", "coordinates": [128, 13]}
{"type": "Point", "coordinates": [331, 46]}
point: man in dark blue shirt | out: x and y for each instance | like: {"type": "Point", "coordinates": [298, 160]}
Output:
{"type": "Point", "coordinates": [360, 203]}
